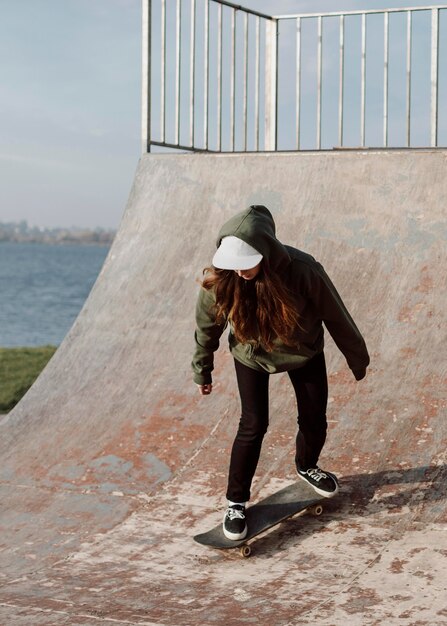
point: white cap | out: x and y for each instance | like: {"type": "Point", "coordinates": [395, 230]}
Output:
{"type": "Point", "coordinates": [235, 254]}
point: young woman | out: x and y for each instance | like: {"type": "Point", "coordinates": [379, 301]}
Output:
{"type": "Point", "coordinates": [275, 299]}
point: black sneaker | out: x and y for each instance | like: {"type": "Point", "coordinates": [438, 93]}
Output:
{"type": "Point", "coordinates": [234, 524]}
{"type": "Point", "coordinates": [324, 483]}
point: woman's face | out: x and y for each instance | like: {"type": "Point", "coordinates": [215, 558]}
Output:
{"type": "Point", "coordinates": [249, 274]}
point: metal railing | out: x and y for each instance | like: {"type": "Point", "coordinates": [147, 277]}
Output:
{"type": "Point", "coordinates": [223, 78]}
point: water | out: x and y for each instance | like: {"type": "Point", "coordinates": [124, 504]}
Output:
{"type": "Point", "coordinates": [42, 290]}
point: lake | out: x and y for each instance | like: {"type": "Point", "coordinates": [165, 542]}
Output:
{"type": "Point", "coordinates": [42, 289]}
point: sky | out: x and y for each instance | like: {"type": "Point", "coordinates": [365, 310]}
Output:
{"type": "Point", "coordinates": [70, 100]}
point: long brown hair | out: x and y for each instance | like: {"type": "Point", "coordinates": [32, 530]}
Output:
{"type": "Point", "coordinates": [260, 310]}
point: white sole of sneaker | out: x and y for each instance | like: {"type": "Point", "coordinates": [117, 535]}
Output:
{"type": "Point", "coordinates": [234, 536]}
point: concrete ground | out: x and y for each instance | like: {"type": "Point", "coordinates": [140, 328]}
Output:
{"type": "Point", "coordinates": [112, 461]}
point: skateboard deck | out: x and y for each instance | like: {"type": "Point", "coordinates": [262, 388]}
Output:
{"type": "Point", "coordinates": [292, 500]}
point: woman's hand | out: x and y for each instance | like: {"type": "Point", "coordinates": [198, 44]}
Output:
{"type": "Point", "coordinates": [205, 390]}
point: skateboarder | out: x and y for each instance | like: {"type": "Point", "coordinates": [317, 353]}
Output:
{"type": "Point", "coordinates": [275, 300]}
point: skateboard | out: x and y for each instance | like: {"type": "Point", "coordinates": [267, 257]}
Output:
{"type": "Point", "coordinates": [294, 500]}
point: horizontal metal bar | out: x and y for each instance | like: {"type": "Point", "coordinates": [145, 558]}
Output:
{"type": "Point", "coordinates": [163, 144]}
{"type": "Point", "coordinates": [367, 12]}
{"type": "Point", "coordinates": [238, 7]}
{"type": "Point", "coordinates": [310, 150]}
{"type": "Point", "coordinates": [379, 149]}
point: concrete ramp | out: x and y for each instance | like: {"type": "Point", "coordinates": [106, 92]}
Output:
{"type": "Point", "coordinates": [112, 461]}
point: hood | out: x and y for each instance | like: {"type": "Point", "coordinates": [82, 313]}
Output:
{"type": "Point", "coordinates": [256, 227]}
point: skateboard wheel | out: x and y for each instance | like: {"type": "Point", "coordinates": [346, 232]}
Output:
{"type": "Point", "coordinates": [317, 510]}
{"type": "Point", "coordinates": [245, 551]}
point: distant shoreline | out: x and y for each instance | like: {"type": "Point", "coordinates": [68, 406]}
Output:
{"type": "Point", "coordinates": [72, 241]}
{"type": "Point", "coordinates": [22, 232]}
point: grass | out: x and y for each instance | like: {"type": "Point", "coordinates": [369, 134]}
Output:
{"type": "Point", "coordinates": [19, 368]}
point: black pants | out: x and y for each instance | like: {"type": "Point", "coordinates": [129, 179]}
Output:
{"type": "Point", "coordinates": [311, 390]}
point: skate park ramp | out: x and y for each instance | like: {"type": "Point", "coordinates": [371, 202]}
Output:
{"type": "Point", "coordinates": [112, 461]}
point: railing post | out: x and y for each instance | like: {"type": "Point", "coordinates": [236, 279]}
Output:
{"type": "Point", "coordinates": [408, 91]}
{"type": "Point", "coordinates": [341, 79]}
{"type": "Point", "coordinates": [163, 38]}
{"type": "Point", "coordinates": [319, 78]}
{"type": "Point", "coordinates": [233, 83]}
{"type": "Point", "coordinates": [206, 73]}
{"type": "Point", "coordinates": [219, 90]}
{"type": "Point", "coordinates": [146, 77]}
{"type": "Point", "coordinates": [363, 84]}
{"type": "Point", "coordinates": [434, 76]}
{"type": "Point", "coordinates": [178, 74]}
{"type": "Point", "coordinates": [257, 82]}
{"type": "Point", "coordinates": [298, 85]}
{"type": "Point", "coordinates": [271, 84]}
{"type": "Point", "coordinates": [192, 75]}
{"type": "Point", "coordinates": [386, 48]}
{"type": "Point", "coordinates": [245, 84]}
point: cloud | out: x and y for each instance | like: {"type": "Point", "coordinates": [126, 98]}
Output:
{"type": "Point", "coordinates": [22, 159]}
{"type": "Point", "coordinates": [99, 132]}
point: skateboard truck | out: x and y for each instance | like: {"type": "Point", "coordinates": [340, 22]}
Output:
{"type": "Point", "coordinates": [245, 549]}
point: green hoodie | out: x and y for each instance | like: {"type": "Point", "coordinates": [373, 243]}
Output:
{"type": "Point", "coordinates": [317, 302]}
